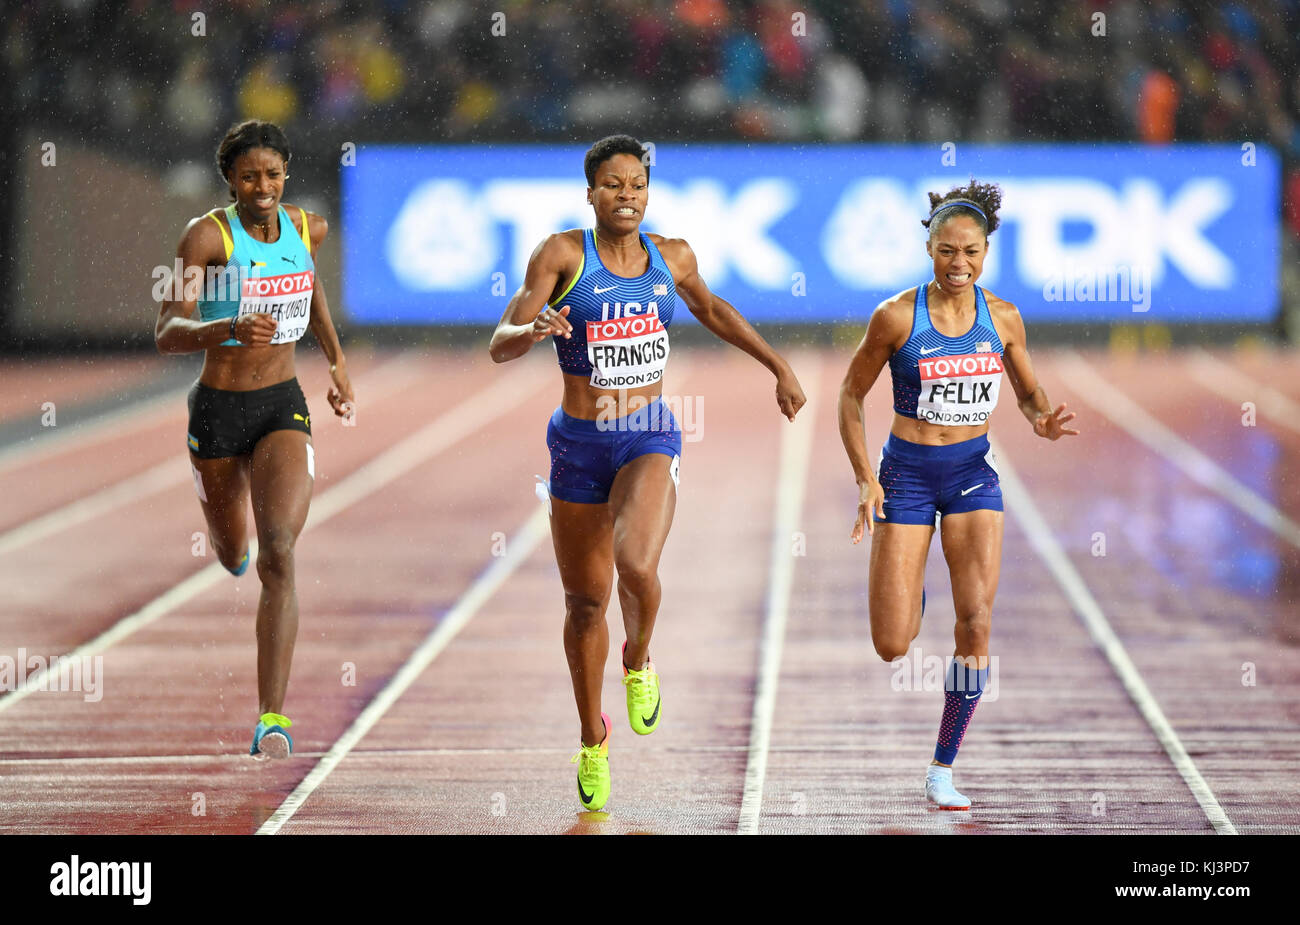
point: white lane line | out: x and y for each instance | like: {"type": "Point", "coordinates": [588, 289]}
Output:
{"type": "Point", "coordinates": [1114, 404]}
{"type": "Point", "coordinates": [170, 472]}
{"type": "Point", "coordinates": [143, 413]}
{"type": "Point", "coordinates": [1226, 380]}
{"type": "Point", "coordinates": [1021, 505]}
{"type": "Point", "coordinates": [468, 416]}
{"type": "Point", "coordinates": [238, 758]}
{"type": "Point", "coordinates": [796, 451]}
{"type": "Point", "coordinates": [167, 474]}
{"type": "Point", "coordinates": [518, 548]}
{"type": "Point", "coordinates": [146, 412]}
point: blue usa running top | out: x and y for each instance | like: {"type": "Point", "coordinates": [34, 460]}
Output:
{"type": "Point", "coordinates": [276, 278]}
{"type": "Point", "coordinates": [948, 380]}
{"type": "Point", "coordinates": [620, 324]}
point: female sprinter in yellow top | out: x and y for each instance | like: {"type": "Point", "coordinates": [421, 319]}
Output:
{"type": "Point", "coordinates": [946, 343]}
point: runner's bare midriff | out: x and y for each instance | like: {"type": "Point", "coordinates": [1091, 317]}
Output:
{"type": "Point", "coordinates": [916, 431]}
{"type": "Point", "coordinates": [585, 401]}
{"type": "Point", "coordinates": [244, 368]}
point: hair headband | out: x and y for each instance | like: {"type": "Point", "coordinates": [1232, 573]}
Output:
{"type": "Point", "coordinates": [966, 203]}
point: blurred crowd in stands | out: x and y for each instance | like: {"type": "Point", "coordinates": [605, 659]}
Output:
{"type": "Point", "coordinates": [164, 78]}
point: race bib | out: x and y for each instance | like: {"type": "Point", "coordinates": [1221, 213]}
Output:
{"type": "Point", "coordinates": [286, 298]}
{"type": "Point", "coordinates": [958, 390]}
{"type": "Point", "coordinates": [626, 353]}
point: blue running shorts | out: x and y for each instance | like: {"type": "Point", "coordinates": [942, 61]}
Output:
{"type": "Point", "coordinates": [922, 482]}
{"type": "Point", "coordinates": [586, 455]}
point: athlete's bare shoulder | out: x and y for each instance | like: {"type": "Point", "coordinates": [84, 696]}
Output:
{"type": "Point", "coordinates": [568, 240]}
{"type": "Point", "coordinates": [904, 301]}
{"type": "Point", "coordinates": [1006, 318]}
{"type": "Point", "coordinates": [1000, 306]}
{"type": "Point", "coordinates": [558, 253]}
{"type": "Point", "coordinates": [1001, 309]}
{"type": "Point", "coordinates": [560, 247]}
{"type": "Point", "coordinates": [317, 226]}
{"type": "Point", "coordinates": [891, 323]}
{"type": "Point", "coordinates": [679, 257]}
{"type": "Point", "coordinates": [202, 238]}
{"type": "Point", "coordinates": [669, 247]}
{"type": "Point", "coordinates": [895, 313]}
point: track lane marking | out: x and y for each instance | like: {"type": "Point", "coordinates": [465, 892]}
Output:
{"type": "Point", "coordinates": [1023, 508]}
{"type": "Point", "coordinates": [167, 474]}
{"type": "Point", "coordinates": [1111, 403]}
{"type": "Point", "coordinates": [466, 418]}
{"type": "Point", "coordinates": [1231, 383]}
{"type": "Point", "coordinates": [519, 547]}
{"type": "Point", "coordinates": [792, 480]}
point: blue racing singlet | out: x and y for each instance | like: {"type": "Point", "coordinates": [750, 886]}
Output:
{"type": "Point", "coordinates": [620, 324]}
{"type": "Point", "coordinates": [275, 279]}
{"type": "Point", "coordinates": [948, 380]}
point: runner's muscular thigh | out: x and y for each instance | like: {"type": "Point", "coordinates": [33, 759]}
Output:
{"type": "Point", "coordinates": [972, 544]}
{"type": "Point", "coordinates": [643, 500]}
{"type": "Point", "coordinates": [581, 535]}
{"type": "Point", "coordinates": [222, 494]}
{"type": "Point", "coordinates": [282, 477]}
{"type": "Point", "coordinates": [896, 575]}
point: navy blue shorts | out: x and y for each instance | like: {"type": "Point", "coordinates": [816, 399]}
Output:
{"type": "Point", "coordinates": [586, 455]}
{"type": "Point", "coordinates": [921, 482]}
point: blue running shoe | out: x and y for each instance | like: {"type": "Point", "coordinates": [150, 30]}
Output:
{"type": "Point", "coordinates": [270, 738]}
{"type": "Point", "coordinates": [241, 568]}
{"type": "Point", "coordinates": [940, 791]}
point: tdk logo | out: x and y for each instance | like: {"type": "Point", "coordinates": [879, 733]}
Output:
{"type": "Point", "coordinates": [869, 240]}
{"type": "Point", "coordinates": [445, 236]}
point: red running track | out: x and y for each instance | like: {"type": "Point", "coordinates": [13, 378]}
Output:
{"type": "Point", "coordinates": [415, 506]}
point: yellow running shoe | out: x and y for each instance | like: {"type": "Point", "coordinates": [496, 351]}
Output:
{"type": "Point", "coordinates": [270, 738]}
{"type": "Point", "coordinates": [593, 770]}
{"type": "Point", "coordinates": [642, 697]}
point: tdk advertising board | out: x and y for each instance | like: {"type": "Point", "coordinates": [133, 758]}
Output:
{"type": "Point", "coordinates": [1110, 233]}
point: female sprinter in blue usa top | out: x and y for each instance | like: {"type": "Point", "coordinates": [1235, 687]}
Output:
{"type": "Point", "coordinates": [614, 475]}
{"type": "Point", "coordinates": [947, 343]}
{"type": "Point", "coordinates": [249, 428]}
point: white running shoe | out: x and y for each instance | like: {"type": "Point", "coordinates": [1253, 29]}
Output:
{"type": "Point", "coordinates": [939, 789]}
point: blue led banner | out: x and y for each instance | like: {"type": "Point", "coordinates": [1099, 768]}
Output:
{"type": "Point", "coordinates": [441, 235]}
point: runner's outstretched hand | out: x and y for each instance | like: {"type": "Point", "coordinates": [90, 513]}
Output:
{"type": "Point", "coordinates": [1051, 424]}
{"type": "Point", "coordinates": [550, 323]}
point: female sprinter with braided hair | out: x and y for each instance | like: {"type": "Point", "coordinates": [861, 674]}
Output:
{"type": "Point", "coordinates": [249, 428]}
{"type": "Point", "coordinates": [947, 342]}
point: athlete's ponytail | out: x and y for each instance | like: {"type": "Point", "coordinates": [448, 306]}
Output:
{"type": "Point", "coordinates": [979, 201]}
{"type": "Point", "coordinates": [244, 136]}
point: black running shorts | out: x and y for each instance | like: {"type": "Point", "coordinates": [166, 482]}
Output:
{"type": "Point", "coordinates": [230, 423]}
